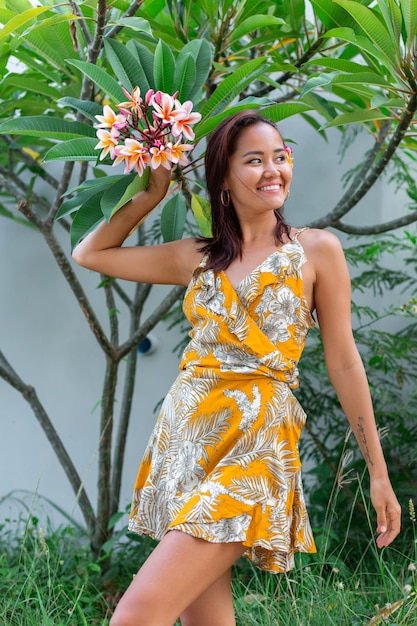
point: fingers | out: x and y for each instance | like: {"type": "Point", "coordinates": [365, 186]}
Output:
{"type": "Point", "coordinates": [389, 524]}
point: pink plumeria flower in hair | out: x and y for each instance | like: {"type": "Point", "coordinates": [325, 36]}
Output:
{"type": "Point", "coordinates": [290, 159]}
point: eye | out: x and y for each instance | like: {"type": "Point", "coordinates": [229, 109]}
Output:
{"type": "Point", "coordinates": [281, 158]}
{"type": "Point", "coordinates": [255, 160]}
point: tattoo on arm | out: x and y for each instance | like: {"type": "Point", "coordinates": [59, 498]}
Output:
{"type": "Point", "coordinates": [363, 441]}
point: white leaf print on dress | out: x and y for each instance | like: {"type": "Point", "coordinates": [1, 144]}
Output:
{"type": "Point", "coordinates": [231, 529]}
{"type": "Point", "coordinates": [210, 293]}
{"type": "Point", "coordinates": [236, 360]}
{"type": "Point", "coordinates": [185, 471]}
{"type": "Point", "coordinates": [249, 409]}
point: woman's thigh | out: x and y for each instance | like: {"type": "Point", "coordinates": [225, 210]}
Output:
{"type": "Point", "coordinates": [177, 573]}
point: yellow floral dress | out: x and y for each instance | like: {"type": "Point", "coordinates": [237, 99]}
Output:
{"type": "Point", "coordinates": [222, 463]}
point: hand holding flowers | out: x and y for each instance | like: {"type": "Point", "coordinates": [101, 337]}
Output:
{"type": "Point", "coordinates": [147, 132]}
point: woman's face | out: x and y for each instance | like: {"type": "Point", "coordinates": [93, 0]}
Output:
{"type": "Point", "coordinates": [259, 174]}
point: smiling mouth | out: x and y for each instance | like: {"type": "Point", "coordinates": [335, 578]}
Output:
{"type": "Point", "coordinates": [270, 188]}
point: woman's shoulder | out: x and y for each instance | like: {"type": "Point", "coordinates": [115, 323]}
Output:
{"type": "Point", "coordinates": [319, 241]}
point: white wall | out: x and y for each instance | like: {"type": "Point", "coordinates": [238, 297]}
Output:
{"type": "Point", "coordinates": [44, 335]}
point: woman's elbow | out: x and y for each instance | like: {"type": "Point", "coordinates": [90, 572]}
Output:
{"type": "Point", "coordinates": [81, 256]}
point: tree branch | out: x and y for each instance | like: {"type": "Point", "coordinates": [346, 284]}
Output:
{"type": "Point", "coordinates": [111, 309]}
{"type": "Point", "coordinates": [21, 192]}
{"type": "Point", "coordinates": [69, 275]}
{"type": "Point", "coordinates": [77, 11]}
{"type": "Point", "coordinates": [151, 321]}
{"type": "Point", "coordinates": [97, 44]}
{"type": "Point", "coordinates": [24, 157]}
{"type": "Point", "coordinates": [62, 188]}
{"type": "Point", "coordinates": [29, 394]}
{"type": "Point", "coordinates": [378, 228]}
{"type": "Point", "coordinates": [353, 195]}
{"type": "Point", "coordinates": [141, 294]}
{"type": "Point", "coordinates": [101, 530]}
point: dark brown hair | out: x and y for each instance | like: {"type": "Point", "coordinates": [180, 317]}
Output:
{"type": "Point", "coordinates": [226, 243]}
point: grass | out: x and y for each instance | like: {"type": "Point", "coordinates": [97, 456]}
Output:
{"type": "Point", "coordinates": [48, 578]}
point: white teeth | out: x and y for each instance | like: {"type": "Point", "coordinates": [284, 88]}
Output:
{"type": "Point", "coordinates": [270, 188]}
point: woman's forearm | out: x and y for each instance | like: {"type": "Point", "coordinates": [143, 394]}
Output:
{"type": "Point", "coordinates": [114, 233]}
{"type": "Point", "coordinates": [353, 392]}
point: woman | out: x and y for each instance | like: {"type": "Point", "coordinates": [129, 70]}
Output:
{"type": "Point", "coordinates": [221, 475]}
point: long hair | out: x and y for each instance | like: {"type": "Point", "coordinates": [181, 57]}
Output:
{"type": "Point", "coordinates": [226, 243]}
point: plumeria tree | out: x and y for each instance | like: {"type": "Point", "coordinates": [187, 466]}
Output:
{"type": "Point", "coordinates": [132, 83]}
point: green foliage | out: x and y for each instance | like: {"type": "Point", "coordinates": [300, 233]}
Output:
{"type": "Point", "coordinates": [50, 577]}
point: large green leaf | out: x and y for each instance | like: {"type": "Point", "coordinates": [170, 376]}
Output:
{"type": "Point", "coordinates": [51, 22]}
{"type": "Point", "coordinates": [86, 219]}
{"type": "Point", "coordinates": [20, 20]}
{"type": "Point", "coordinates": [145, 64]}
{"type": "Point", "coordinates": [279, 112]}
{"type": "Point", "coordinates": [201, 53]}
{"type": "Point", "coordinates": [86, 107]}
{"type": "Point", "coordinates": [341, 65]}
{"type": "Point", "coordinates": [252, 23]}
{"type": "Point", "coordinates": [53, 46]}
{"type": "Point", "coordinates": [164, 68]}
{"type": "Point", "coordinates": [112, 195]}
{"type": "Point", "coordinates": [184, 76]}
{"type": "Point", "coordinates": [135, 23]}
{"type": "Point", "coordinates": [139, 183]}
{"type": "Point", "coordinates": [79, 149]}
{"type": "Point", "coordinates": [105, 82]}
{"type": "Point", "coordinates": [45, 126]}
{"type": "Point", "coordinates": [80, 195]}
{"type": "Point", "coordinates": [391, 13]}
{"type": "Point", "coordinates": [125, 66]}
{"type": "Point", "coordinates": [26, 83]}
{"type": "Point", "coordinates": [233, 85]}
{"type": "Point", "coordinates": [409, 13]}
{"type": "Point", "coordinates": [363, 43]}
{"type": "Point", "coordinates": [202, 214]}
{"type": "Point", "coordinates": [373, 29]}
{"type": "Point", "coordinates": [330, 14]}
{"type": "Point", "coordinates": [356, 117]}
{"type": "Point", "coordinates": [173, 218]}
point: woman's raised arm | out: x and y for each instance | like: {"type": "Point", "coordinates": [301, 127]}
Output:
{"type": "Point", "coordinates": [167, 263]}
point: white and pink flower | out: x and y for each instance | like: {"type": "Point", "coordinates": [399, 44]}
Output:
{"type": "Point", "coordinates": [147, 131]}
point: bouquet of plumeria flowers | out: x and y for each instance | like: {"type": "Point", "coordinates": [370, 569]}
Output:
{"type": "Point", "coordinates": [147, 132]}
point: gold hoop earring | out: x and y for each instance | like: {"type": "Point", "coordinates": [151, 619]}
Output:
{"type": "Point", "coordinates": [225, 197]}
{"type": "Point", "coordinates": [288, 194]}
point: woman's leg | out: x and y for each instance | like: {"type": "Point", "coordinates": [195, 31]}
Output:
{"type": "Point", "coordinates": [213, 607]}
{"type": "Point", "coordinates": [178, 572]}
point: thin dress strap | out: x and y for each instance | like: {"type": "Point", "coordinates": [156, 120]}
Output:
{"type": "Point", "coordinates": [298, 232]}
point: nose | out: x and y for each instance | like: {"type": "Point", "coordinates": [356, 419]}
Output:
{"type": "Point", "coordinates": [271, 168]}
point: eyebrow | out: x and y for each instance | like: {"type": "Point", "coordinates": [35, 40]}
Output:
{"type": "Point", "coordinates": [261, 152]}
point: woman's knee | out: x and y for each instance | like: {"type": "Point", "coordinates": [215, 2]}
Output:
{"type": "Point", "coordinates": [140, 614]}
